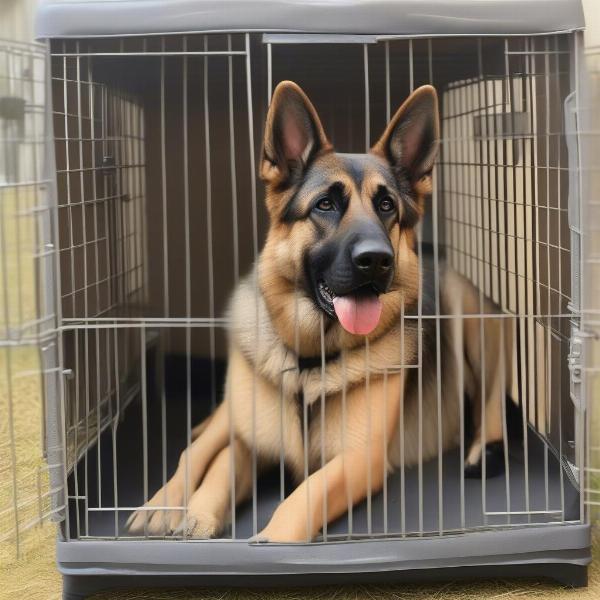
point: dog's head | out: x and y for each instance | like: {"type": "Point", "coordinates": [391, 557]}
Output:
{"type": "Point", "coordinates": [342, 225]}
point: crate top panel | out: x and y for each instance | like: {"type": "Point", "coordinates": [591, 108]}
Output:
{"type": "Point", "coordinates": [101, 18]}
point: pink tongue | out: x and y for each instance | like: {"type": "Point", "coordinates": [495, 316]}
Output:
{"type": "Point", "coordinates": [358, 315]}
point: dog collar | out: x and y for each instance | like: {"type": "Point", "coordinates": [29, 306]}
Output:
{"type": "Point", "coordinates": [312, 362]}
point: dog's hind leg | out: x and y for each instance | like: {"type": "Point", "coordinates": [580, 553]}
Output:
{"type": "Point", "coordinates": [486, 353]}
{"type": "Point", "coordinates": [490, 367]}
{"type": "Point", "coordinates": [152, 518]}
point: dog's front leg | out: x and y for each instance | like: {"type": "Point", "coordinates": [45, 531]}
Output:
{"type": "Point", "coordinates": [164, 511]}
{"type": "Point", "coordinates": [347, 478]}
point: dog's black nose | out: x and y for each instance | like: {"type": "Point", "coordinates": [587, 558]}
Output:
{"type": "Point", "coordinates": [372, 258]}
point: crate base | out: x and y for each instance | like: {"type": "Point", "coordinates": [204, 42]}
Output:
{"type": "Point", "coordinates": [574, 576]}
{"type": "Point", "coordinates": [557, 552]}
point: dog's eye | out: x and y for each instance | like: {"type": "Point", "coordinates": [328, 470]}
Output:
{"type": "Point", "coordinates": [386, 204]}
{"type": "Point", "coordinates": [325, 204]}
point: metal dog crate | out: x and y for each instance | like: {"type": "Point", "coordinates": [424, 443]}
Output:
{"type": "Point", "coordinates": [157, 112]}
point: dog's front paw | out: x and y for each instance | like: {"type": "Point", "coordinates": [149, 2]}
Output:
{"type": "Point", "coordinates": [291, 533]}
{"type": "Point", "coordinates": [199, 525]}
{"type": "Point", "coordinates": [155, 518]}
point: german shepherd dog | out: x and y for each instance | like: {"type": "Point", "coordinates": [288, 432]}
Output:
{"type": "Point", "coordinates": [327, 320]}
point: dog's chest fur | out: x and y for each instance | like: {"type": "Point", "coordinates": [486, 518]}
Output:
{"type": "Point", "coordinates": [253, 333]}
{"type": "Point", "coordinates": [294, 416]}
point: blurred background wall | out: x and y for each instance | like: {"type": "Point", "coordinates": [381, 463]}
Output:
{"type": "Point", "coordinates": [16, 19]}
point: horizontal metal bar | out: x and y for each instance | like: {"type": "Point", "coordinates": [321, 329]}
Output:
{"type": "Point", "coordinates": [533, 52]}
{"type": "Point", "coordinates": [26, 342]}
{"type": "Point", "coordinates": [132, 508]}
{"type": "Point", "coordinates": [317, 38]}
{"type": "Point", "coordinates": [521, 513]}
{"type": "Point", "coordinates": [92, 322]}
{"type": "Point", "coordinates": [130, 54]}
{"type": "Point", "coordinates": [13, 184]}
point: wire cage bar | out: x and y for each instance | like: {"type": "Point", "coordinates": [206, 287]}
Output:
{"type": "Point", "coordinates": [158, 217]}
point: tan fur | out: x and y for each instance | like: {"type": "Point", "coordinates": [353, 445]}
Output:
{"type": "Point", "coordinates": [370, 419]}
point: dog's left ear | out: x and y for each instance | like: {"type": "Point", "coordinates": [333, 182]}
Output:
{"type": "Point", "coordinates": [411, 139]}
{"type": "Point", "coordinates": [293, 135]}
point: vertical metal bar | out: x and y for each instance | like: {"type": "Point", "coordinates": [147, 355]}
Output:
{"type": "Point", "coordinates": [460, 326]}
{"type": "Point", "coordinates": [323, 422]}
{"type": "Point", "coordinates": [559, 139]}
{"type": "Point", "coordinates": [344, 442]}
{"type": "Point", "coordinates": [236, 266]}
{"type": "Point", "coordinates": [107, 212]}
{"type": "Point", "coordinates": [209, 233]}
{"type": "Point", "coordinates": [369, 441]}
{"type": "Point", "coordinates": [367, 103]}
{"type": "Point", "coordinates": [144, 424]}
{"type": "Point", "coordinates": [438, 339]}
{"type": "Point", "coordinates": [163, 159]}
{"type": "Point", "coordinates": [504, 423]}
{"type": "Point", "coordinates": [269, 73]}
{"type": "Point", "coordinates": [483, 390]}
{"type": "Point", "coordinates": [281, 438]}
{"type": "Point", "coordinates": [385, 453]}
{"type": "Point", "coordinates": [68, 176]}
{"type": "Point", "coordinates": [143, 199]}
{"type": "Point", "coordinates": [387, 83]}
{"type": "Point", "coordinates": [162, 343]}
{"type": "Point", "coordinates": [411, 66]}
{"type": "Point", "coordinates": [529, 380]}
{"type": "Point", "coordinates": [305, 425]}
{"type": "Point", "coordinates": [76, 446]}
{"type": "Point", "coordinates": [233, 171]}
{"type": "Point", "coordinates": [118, 207]}
{"type": "Point", "coordinates": [385, 375]}
{"type": "Point", "coordinates": [532, 173]}
{"type": "Point", "coordinates": [419, 331]}
{"type": "Point", "coordinates": [115, 425]}
{"type": "Point", "coordinates": [525, 305]}
{"type": "Point", "coordinates": [188, 286]}
{"type": "Point", "coordinates": [580, 424]}
{"type": "Point", "coordinates": [548, 387]}
{"type": "Point", "coordinates": [502, 279]}
{"type": "Point", "coordinates": [401, 425]}
{"type": "Point", "coordinates": [255, 282]}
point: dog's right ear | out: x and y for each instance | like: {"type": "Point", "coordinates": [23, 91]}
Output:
{"type": "Point", "coordinates": [293, 136]}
